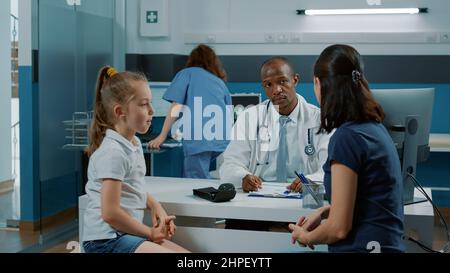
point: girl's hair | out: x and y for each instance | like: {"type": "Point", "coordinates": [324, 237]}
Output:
{"type": "Point", "coordinates": [112, 88]}
{"type": "Point", "coordinates": [203, 56]}
{"type": "Point", "coordinates": [345, 93]}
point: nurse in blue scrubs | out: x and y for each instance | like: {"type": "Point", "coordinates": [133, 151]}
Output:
{"type": "Point", "coordinates": [202, 102]}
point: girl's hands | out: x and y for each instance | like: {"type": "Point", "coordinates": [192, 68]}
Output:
{"type": "Point", "coordinates": [163, 231]}
{"type": "Point", "coordinates": [161, 219]}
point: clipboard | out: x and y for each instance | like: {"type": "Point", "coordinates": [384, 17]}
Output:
{"type": "Point", "coordinates": [275, 190]}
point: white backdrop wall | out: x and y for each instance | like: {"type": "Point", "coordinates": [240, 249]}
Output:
{"type": "Point", "coordinates": [240, 26]}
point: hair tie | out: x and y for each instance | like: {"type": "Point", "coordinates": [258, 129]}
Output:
{"type": "Point", "coordinates": [356, 76]}
{"type": "Point", "coordinates": [111, 72]}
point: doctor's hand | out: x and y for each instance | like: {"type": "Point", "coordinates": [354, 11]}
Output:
{"type": "Point", "coordinates": [156, 143]}
{"type": "Point", "coordinates": [251, 183]}
{"type": "Point", "coordinates": [296, 186]}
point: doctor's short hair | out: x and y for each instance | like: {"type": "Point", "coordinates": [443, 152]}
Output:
{"type": "Point", "coordinates": [278, 59]}
{"type": "Point", "coordinates": [345, 93]}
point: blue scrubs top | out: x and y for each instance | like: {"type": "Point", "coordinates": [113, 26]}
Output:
{"type": "Point", "coordinates": [188, 86]}
{"type": "Point", "coordinates": [368, 150]}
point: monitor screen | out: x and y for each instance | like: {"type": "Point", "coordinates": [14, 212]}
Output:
{"type": "Point", "coordinates": [241, 101]}
{"type": "Point", "coordinates": [246, 99]}
{"type": "Point", "coordinates": [401, 103]}
{"type": "Point", "coordinates": [160, 106]}
{"type": "Point", "coordinates": [408, 120]}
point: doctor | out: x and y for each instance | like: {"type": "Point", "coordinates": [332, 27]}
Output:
{"type": "Point", "coordinates": [271, 141]}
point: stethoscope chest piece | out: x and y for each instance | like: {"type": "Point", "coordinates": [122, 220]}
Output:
{"type": "Point", "coordinates": [310, 150]}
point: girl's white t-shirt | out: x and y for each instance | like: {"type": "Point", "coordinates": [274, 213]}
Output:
{"type": "Point", "coordinates": [117, 159]}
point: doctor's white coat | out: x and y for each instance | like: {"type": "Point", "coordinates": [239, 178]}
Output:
{"type": "Point", "coordinates": [246, 153]}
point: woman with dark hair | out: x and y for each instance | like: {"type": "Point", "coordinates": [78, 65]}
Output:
{"type": "Point", "coordinates": [200, 95]}
{"type": "Point", "coordinates": [362, 174]}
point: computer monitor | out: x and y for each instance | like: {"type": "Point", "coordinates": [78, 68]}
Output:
{"type": "Point", "coordinates": [408, 120]}
{"type": "Point", "coordinates": [241, 101]}
{"type": "Point", "coordinates": [160, 106]}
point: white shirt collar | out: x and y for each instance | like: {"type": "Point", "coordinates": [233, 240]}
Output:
{"type": "Point", "coordinates": [119, 138]}
{"type": "Point", "coordinates": [293, 116]}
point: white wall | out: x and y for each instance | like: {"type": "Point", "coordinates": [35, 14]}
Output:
{"type": "Point", "coordinates": [137, 44]}
{"type": "Point", "coordinates": [15, 7]}
{"type": "Point", "coordinates": [240, 26]}
{"type": "Point", "coordinates": [5, 92]}
{"type": "Point", "coordinates": [119, 34]}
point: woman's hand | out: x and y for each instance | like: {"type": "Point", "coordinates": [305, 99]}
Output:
{"type": "Point", "coordinates": [156, 143]}
{"type": "Point", "coordinates": [299, 234]}
{"type": "Point", "coordinates": [311, 222]}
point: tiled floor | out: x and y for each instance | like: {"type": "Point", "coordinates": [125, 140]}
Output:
{"type": "Point", "coordinates": [13, 241]}
{"type": "Point", "coordinates": [439, 237]}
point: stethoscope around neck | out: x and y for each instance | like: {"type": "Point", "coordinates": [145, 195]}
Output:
{"type": "Point", "coordinates": [264, 138]}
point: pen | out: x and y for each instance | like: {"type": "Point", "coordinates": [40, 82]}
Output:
{"type": "Point", "coordinates": [306, 183]}
{"type": "Point", "coordinates": [302, 178]}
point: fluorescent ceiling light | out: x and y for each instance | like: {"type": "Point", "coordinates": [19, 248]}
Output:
{"type": "Point", "coordinates": [361, 11]}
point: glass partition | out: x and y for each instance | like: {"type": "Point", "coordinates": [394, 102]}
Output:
{"type": "Point", "coordinates": [74, 42]}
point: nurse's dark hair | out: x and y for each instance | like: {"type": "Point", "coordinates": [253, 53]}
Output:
{"type": "Point", "coordinates": [113, 88]}
{"type": "Point", "coordinates": [345, 93]}
{"type": "Point", "coordinates": [204, 56]}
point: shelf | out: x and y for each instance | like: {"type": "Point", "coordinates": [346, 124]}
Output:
{"type": "Point", "coordinates": [78, 122]}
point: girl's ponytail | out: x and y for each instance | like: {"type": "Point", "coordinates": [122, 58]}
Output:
{"type": "Point", "coordinates": [99, 120]}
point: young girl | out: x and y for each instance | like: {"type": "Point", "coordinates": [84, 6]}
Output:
{"type": "Point", "coordinates": [362, 179]}
{"type": "Point", "coordinates": [113, 222]}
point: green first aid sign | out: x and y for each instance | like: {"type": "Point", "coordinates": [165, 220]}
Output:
{"type": "Point", "coordinates": [152, 17]}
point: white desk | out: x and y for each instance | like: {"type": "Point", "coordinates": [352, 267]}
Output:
{"type": "Point", "coordinates": [176, 196]}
